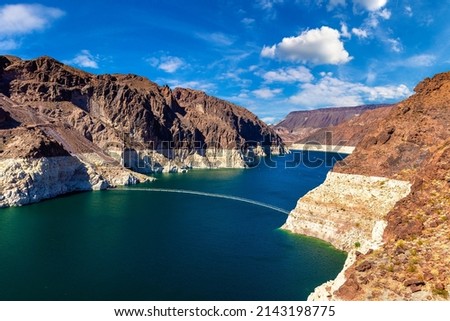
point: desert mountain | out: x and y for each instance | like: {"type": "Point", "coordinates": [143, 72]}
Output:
{"type": "Point", "coordinates": [298, 126]}
{"type": "Point", "coordinates": [106, 108]}
{"type": "Point", "coordinates": [388, 204]}
{"type": "Point", "coordinates": [412, 143]}
{"type": "Point", "coordinates": [349, 132]}
{"type": "Point", "coordinates": [48, 109]}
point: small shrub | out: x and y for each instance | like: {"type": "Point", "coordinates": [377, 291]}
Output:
{"type": "Point", "coordinates": [357, 245]}
{"type": "Point", "coordinates": [400, 244]}
{"type": "Point", "coordinates": [442, 293]}
{"type": "Point", "coordinates": [412, 268]}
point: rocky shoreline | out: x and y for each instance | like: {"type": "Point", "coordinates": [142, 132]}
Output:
{"type": "Point", "coordinates": [324, 148]}
{"type": "Point", "coordinates": [388, 204]}
{"type": "Point", "coordinates": [64, 130]}
{"type": "Point", "coordinates": [349, 211]}
{"type": "Point", "coordinates": [24, 181]}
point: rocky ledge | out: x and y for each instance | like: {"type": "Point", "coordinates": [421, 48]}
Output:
{"type": "Point", "coordinates": [387, 204]}
{"type": "Point", "coordinates": [64, 130]}
{"type": "Point", "coordinates": [27, 180]}
{"type": "Point", "coordinates": [348, 211]}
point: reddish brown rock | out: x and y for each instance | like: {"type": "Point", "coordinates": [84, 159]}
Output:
{"type": "Point", "coordinates": [350, 289]}
{"type": "Point", "coordinates": [415, 288]}
{"type": "Point", "coordinates": [412, 143]}
{"type": "Point", "coordinates": [440, 287]}
{"type": "Point", "coordinates": [130, 110]}
{"type": "Point", "coordinates": [411, 282]}
{"type": "Point", "coordinates": [325, 125]}
{"type": "Point", "coordinates": [351, 131]}
{"type": "Point", "coordinates": [364, 266]}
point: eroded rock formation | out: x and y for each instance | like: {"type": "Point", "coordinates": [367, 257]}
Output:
{"type": "Point", "coordinates": [310, 126]}
{"type": "Point", "coordinates": [409, 147]}
{"type": "Point", "coordinates": [102, 122]}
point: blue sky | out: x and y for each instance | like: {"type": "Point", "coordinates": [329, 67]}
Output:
{"type": "Point", "coordinates": [271, 56]}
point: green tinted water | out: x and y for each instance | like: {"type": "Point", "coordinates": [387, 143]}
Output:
{"type": "Point", "coordinates": [143, 245]}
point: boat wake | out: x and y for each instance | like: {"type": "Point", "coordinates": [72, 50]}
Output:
{"type": "Point", "coordinates": [229, 197]}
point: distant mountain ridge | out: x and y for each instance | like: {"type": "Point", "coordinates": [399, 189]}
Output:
{"type": "Point", "coordinates": [388, 204]}
{"type": "Point", "coordinates": [349, 132]}
{"type": "Point", "coordinates": [299, 125]}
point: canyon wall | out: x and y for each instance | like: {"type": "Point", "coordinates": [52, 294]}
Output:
{"type": "Point", "coordinates": [388, 205]}
{"type": "Point", "coordinates": [64, 130]}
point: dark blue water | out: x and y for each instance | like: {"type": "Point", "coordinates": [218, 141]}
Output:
{"type": "Point", "coordinates": [140, 245]}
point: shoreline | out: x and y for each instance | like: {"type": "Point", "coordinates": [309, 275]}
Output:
{"type": "Point", "coordinates": [323, 148]}
{"type": "Point", "coordinates": [349, 212]}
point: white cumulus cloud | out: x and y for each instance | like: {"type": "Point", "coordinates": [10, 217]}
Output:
{"type": "Point", "coordinates": [20, 19]}
{"type": "Point", "coordinates": [370, 5]}
{"type": "Point", "coordinates": [266, 93]}
{"type": "Point", "coordinates": [170, 64]}
{"type": "Point", "coordinates": [409, 11]}
{"type": "Point", "coordinates": [288, 75]}
{"type": "Point", "coordinates": [331, 91]}
{"type": "Point", "coordinates": [269, 120]}
{"type": "Point", "coordinates": [317, 46]}
{"type": "Point", "coordinates": [385, 14]}
{"type": "Point", "coordinates": [84, 59]}
{"type": "Point", "coordinates": [192, 84]}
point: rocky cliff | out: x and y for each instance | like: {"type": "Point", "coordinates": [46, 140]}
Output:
{"type": "Point", "coordinates": [40, 159]}
{"type": "Point", "coordinates": [114, 111]}
{"type": "Point", "coordinates": [393, 195]}
{"type": "Point", "coordinates": [105, 122]}
{"type": "Point", "coordinates": [349, 132]}
{"type": "Point", "coordinates": [300, 126]}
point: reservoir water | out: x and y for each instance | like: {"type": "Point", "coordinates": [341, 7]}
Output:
{"type": "Point", "coordinates": [141, 244]}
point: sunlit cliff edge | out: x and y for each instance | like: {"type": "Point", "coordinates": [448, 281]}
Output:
{"type": "Point", "coordinates": [64, 130]}
{"type": "Point", "coordinates": [388, 205]}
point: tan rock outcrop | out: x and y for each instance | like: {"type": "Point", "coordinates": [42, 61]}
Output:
{"type": "Point", "coordinates": [348, 211]}
{"type": "Point", "coordinates": [409, 148]}
{"type": "Point", "coordinates": [107, 123]}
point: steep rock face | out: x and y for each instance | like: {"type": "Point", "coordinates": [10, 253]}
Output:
{"type": "Point", "coordinates": [3, 116]}
{"type": "Point", "coordinates": [41, 158]}
{"type": "Point", "coordinates": [326, 211]}
{"type": "Point", "coordinates": [411, 145]}
{"type": "Point", "coordinates": [298, 125]}
{"type": "Point", "coordinates": [349, 132]}
{"type": "Point", "coordinates": [51, 113]}
{"type": "Point", "coordinates": [126, 110]}
{"type": "Point", "coordinates": [29, 180]}
{"type": "Point", "coordinates": [233, 125]}
{"type": "Point", "coordinates": [416, 128]}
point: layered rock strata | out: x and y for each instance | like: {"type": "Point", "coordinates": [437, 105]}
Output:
{"type": "Point", "coordinates": [308, 126]}
{"type": "Point", "coordinates": [130, 113]}
{"type": "Point", "coordinates": [105, 128]}
{"type": "Point", "coordinates": [388, 205]}
{"type": "Point", "coordinates": [333, 211]}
